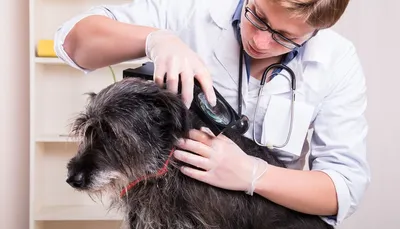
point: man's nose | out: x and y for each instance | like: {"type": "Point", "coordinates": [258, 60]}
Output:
{"type": "Point", "coordinates": [263, 39]}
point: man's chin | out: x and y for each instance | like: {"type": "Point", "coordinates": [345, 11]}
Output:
{"type": "Point", "coordinates": [255, 55]}
{"type": "Point", "coordinates": [259, 56]}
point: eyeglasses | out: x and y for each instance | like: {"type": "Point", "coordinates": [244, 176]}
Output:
{"type": "Point", "coordinates": [278, 37]}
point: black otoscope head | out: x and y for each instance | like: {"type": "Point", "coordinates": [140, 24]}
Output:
{"type": "Point", "coordinates": [217, 119]}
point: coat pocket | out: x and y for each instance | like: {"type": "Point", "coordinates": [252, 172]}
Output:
{"type": "Point", "coordinates": [277, 123]}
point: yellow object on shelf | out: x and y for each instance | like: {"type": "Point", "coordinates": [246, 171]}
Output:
{"type": "Point", "coordinates": [45, 48]}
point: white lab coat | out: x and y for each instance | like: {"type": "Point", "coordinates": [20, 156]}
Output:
{"type": "Point", "coordinates": [331, 94]}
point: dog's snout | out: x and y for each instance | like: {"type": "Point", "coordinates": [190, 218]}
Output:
{"type": "Point", "coordinates": [76, 180]}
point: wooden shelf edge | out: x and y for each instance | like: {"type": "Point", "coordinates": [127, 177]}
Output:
{"type": "Point", "coordinates": [57, 61]}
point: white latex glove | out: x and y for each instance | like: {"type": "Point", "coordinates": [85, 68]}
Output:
{"type": "Point", "coordinates": [172, 57]}
{"type": "Point", "coordinates": [220, 161]}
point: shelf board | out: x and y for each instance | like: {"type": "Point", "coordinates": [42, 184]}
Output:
{"type": "Point", "coordinates": [95, 212]}
{"type": "Point", "coordinates": [57, 61]}
{"type": "Point", "coordinates": [55, 138]}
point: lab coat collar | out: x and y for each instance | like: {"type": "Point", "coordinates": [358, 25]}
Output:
{"type": "Point", "coordinates": [238, 12]}
{"type": "Point", "coordinates": [317, 49]}
{"type": "Point", "coordinates": [221, 12]}
{"type": "Point", "coordinates": [227, 55]}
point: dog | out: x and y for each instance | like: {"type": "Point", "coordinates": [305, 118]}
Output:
{"type": "Point", "coordinates": [127, 133]}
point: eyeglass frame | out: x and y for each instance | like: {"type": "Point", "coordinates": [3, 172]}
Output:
{"type": "Point", "coordinates": [272, 31]}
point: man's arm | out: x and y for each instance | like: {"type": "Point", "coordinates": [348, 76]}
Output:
{"type": "Point", "coordinates": [311, 192]}
{"type": "Point", "coordinates": [98, 41]}
{"type": "Point", "coordinates": [109, 34]}
{"type": "Point", "coordinates": [340, 173]}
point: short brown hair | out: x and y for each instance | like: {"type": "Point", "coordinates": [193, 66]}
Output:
{"type": "Point", "coordinates": [317, 13]}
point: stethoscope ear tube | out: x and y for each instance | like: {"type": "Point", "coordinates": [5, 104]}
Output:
{"type": "Point", "coordinates": [283, 66]}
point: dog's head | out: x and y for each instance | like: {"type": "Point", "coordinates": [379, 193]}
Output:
{"type": "Point", "coordinates": [127, 130]}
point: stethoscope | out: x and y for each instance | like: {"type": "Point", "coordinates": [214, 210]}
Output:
{"type": "Point", "coordinates": [292, 82]}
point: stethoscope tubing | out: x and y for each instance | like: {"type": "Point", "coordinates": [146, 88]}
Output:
{"type": "Point", "coordinates": [293, 84]}
{"type": "Point", "coordinates": [293, 98]}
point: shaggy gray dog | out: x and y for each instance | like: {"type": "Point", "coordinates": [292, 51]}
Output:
{"type": "Point", "coordinates": [128, 131]}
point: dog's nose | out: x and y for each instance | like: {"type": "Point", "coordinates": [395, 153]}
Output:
{"type": "Point", "coordinates": [76, 180]}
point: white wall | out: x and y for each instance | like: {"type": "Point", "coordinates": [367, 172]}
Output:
{"type": "Point", "coordinates": [373, 25]}
{"type": "Point", "coordinates": [14, 114]}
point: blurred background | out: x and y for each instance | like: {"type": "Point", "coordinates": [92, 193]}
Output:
{"type": "Point", "coordinates": [373, 27]}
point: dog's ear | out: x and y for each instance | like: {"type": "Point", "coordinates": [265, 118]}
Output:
{"type": "Point", "coordinates": [183, 125]}
{"type": "Point", "coordinates": [80, 122]}
{"type": "Point", "coordinates": [181, 115]}
{"type": "Point", "coordinates": [173, 114]}
{"type": "Point", "coordinates": [91, 95]}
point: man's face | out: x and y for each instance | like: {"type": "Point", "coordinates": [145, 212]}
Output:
{"type": "Point", "coordinates": [260, 44]}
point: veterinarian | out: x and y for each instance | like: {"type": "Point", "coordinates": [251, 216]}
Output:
{"type": "Point", "coordinates": [203, 39]}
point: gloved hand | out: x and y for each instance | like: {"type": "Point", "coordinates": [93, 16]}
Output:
{"type": "Point", "coordinates": [172, 57]}
{"type": "Point", "coordinates": [225, 165]}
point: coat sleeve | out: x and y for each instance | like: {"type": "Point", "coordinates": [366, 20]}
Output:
{"type": "Point", "coordinates": [338, 145]}
{"type": "Point", "coordinates": [164, 14]}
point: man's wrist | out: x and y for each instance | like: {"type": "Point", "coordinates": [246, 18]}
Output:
{"type": "Point", "coordinates": [260, 167]}
{"type": "Point", "coordinates": [155, 34]}
{"type": "Point", "coordinates": [262, 185]}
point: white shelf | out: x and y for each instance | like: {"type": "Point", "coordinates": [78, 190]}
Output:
{"type": "Point", "coordinates": [57, 94]}
{"type": "Point", "coordinates": [57, 61]}
{"type": "Point", "coordinates": [76, 213]}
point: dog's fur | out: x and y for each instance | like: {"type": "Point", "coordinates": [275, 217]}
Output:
{"type": "Point", "coordinates": [128, 130]}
